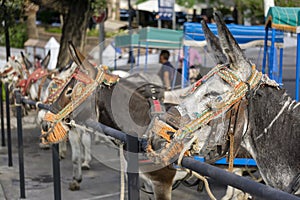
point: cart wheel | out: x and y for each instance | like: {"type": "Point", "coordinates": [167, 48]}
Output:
{"type": "Point", "coordinates": [200, 186]}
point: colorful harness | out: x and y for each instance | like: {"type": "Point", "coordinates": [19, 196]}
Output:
{"type": "Point", "coordinates": [38, 74]}
{"type": "Point", "coordinates": [221, 105]}
{"type": "Point", "coordinates": [82, 90]}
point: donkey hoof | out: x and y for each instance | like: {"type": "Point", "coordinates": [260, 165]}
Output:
{"type": "Point", "coordinates": [44, 146]}
{"type": "Point", "coordinates": [85, 166]}
{"type": "Point", "coordinates": [74, 185]}
{"type": "Point", "coordinates": [62, 155]}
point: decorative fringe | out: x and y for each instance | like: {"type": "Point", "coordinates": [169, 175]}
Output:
{"type": "Point", "coordinates": [57, 133]}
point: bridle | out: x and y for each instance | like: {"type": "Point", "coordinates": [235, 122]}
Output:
{"type": "Point", "coordinates": [84, 88]}
{"type": "Point", "coordinates": [223, 103]}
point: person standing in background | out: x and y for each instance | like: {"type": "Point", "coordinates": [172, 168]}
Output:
{"type": "Point", "coordinates": [167, 70]}
{"type": "Point", "coordinates": [195, 60]}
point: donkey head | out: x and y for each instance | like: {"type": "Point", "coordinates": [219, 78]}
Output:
{"type": "Point", "coordinates": [30, 66]}
{"type": "Point", "coordinates": [203, 113]}
{"type": "Point", "coordinates": [77, 95]}
{"type": "Point", "coordinates": [12, 70]}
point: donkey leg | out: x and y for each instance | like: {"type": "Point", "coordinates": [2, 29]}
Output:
{"type": "Point", "coordinates": [233, 193]}
{"type": "Point", "coordinates": [162, 181]}
{"type": "Point", "coordinates": [76, 159]}
{"type": "Point", "coordinates": [62, 149]}
{"type": "Point", "coordinates": [86, 142]}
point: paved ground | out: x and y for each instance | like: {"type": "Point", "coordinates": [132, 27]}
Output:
{"type": "Point", "coordinates": [101, 182]}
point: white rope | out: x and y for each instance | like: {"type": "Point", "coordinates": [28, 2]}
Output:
{"type": "Point", "coordinates": [296, 106]}
{"type": "Point", "coordinates": [84, 128]}
{"type": "Point", "coordinates": [291, 104]}
{"type": "Point", "coordinates": [286, 104]}
{"type": "Point", "coordinates": [206, 184]}
{"type": "Point", "coordinates": [185, 148]}
{"type": "Point", "coordinates": [122, 169]}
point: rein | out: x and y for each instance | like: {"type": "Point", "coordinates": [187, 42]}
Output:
{"type": "Point", "coordinates": [221, 104]}
{"type": "Point", "coordinates": [82, 90]}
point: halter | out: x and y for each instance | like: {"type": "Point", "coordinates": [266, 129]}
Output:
{"type": "Point", "coordinates": [82, 90]}
{"type": "Point", "coordinates": [33, 78]}
{"type": "Point", "coordinates": [221, 105]}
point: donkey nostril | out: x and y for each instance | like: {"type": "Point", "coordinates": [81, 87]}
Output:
{"type": "Point", "coordinates": [69, 91]}
{"type": "Point", "coordinates": [45, 126]}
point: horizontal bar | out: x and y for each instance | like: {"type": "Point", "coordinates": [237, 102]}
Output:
{"type": "Point", "coordinates": [34, 103]}
{"type": "Point", "coordinates": [226, 178]}
{"type": "Point", "coordinates": [107, 130]}
{"type": "Point", "coordinates": [236, 161]}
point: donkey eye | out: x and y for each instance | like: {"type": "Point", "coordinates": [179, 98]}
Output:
{"type": "Point", "coordinates": [69, 91]}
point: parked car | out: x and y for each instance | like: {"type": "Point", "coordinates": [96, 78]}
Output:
{"type": "Point", "coordinates": [124, 15]}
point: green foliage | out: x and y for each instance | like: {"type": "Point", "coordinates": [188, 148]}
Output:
{"type": "Point", "coordinates": [97, 5]}
{"type": "Point", "coordinates": [140, 1]}
{"type": "Point", "coordinates": [254, 11]}
{"type": "Point", "coordinates": [287, 3]}
{"type": "Point", "coordinates": [17, 35]}
{"type": "Point", "coordinates": [53, 29]}
{"type": "Point", "coordinates": [93, 33]}
{"type": "Point", "coordinates": [113, 34]}
{"type": "Point", "coordinates": [11, 10]}
{"type": "Point", "coordinates": [186, 3]}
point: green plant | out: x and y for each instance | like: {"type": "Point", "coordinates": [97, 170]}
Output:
{"type": "Point", "coordinates": [17, 35]}
{"type": "Point", "coordinates": [53, 29]}
{"type": "Point", "coordinates": [93, 33]}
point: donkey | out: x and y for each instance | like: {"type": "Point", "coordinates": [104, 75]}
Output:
{"type": "Point", "coordinates": [265, 119]}
{"type": "Point", "coordinates": [262, 113]}
{"type": "Point", "coordinates": [36, 78]}
{"type": "Point", "coordinates": [117, 104]}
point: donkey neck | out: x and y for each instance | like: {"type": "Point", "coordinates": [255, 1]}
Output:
{"type": "Point", "coordinates": [273, 136]}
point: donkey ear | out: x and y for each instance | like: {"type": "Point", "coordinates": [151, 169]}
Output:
{"type": "Point", "coordinates": [81, 61]}
{"type": "Point", "coordinates": [46, 60]}
{"type": "Point", "coordinates": [229, 45]}
{"type": "Point", "coordinates": [27, 63]}
{"type": "Point", "coordinates": [213, 44]}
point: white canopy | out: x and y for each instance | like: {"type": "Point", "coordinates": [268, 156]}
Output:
{"type": "Point", "coordinates": [152, 5]}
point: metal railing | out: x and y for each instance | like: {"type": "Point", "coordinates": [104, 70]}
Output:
{"type": "Point", "coordinates": [132, 144]}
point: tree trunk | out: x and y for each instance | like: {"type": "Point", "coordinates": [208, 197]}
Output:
{"type": "Point", "coordinates": [117, 10]}
{"type": "Point", "coordinates": [74, 29]}
{"type": "Point", "coordinates": [30, 11]}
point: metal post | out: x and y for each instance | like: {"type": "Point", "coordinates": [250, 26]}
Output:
{"type": "Point", "coordinates": [10, 163]}
{"type": "Point", "coordinates": [7, 43]}
{"type": "Point", "coordinates": [280, 66]}
{"type": "Point", "coordinates": [20, 143]}
{"type": "Point", "coordinates": [56, 172]}
{"type": "Point", "coordinates": [133, 167]}
{"type": "Point", "coordinates": [185, 67]}
{"type": "Point", "coordinates": [2, 117]}
{"type": "Point", "coordinates": [272, 54]}
{"type": "Point", "coordinates": [265, 51]}
{"type": "Point", "coordinates": [101, 39]}
{"type": "Point", "coordinates": [298, 66]}
{"type": "Point", "coordinates": [146, 57]}
{"type": "Point", "coordinates": [173, 16]}
{"type": "Point", "coordinates": [130, 56]}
